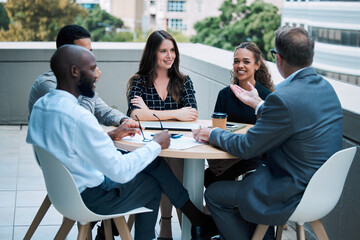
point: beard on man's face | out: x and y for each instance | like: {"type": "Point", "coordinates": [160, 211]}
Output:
{"type": "Point", "coordinates": [85, 85]}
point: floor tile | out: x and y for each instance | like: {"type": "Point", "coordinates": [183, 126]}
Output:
{"type": "Point", "coordinates": [8, 168]}
{"type": "Point", "coordinates": [41, 233]}
{"type": "Point", "coordinates": [29, 169]}
{"type": "Point", "coordinates": [8, 183]}
{"type": "Point", "coordinates": [31, 183]}
{"type": "Point", "coordinates": [289, 234]}
{"type": "Point", "coordinates": [7, 198]}
{"type": "Point", "coordinates": [25, 215]}
{"type": "Point", "coordinates": [6, 233]}
{"type": "Point", "coordinates": [6, 216]}
{"type": "Point", "coordinates": [30, 198]}
{"type": "Point", "coordinates": [8, 154]}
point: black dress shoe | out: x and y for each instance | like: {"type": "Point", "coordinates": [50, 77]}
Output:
{"type": "Point", "coordinates": [198, 233]}
{"type": "Point", "coordinates": [100, 233]}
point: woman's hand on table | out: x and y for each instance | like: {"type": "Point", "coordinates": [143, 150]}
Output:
{"type": "Point", "coordinates": [127, 128]}
{"type": "Point", "coordinates": [162, 138]}
{"type": "Point", "coordinates": [187, 114]}
{"type": "Point", "coordinates": [137, 101]}
{"type": "Point", "coordinates": [202, 135]}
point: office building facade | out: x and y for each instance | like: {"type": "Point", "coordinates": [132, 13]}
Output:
{"type": "Point", "coordinates": [178, 15]}
{"type": "Point", "coordinates": [335, 27]}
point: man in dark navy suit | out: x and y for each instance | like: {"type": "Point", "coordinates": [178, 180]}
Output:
{"type": "Point", "coordinates": [299, 127]}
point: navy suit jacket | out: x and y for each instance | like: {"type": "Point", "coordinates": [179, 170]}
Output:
{"type": "Point", "coordinates": [299, 128]}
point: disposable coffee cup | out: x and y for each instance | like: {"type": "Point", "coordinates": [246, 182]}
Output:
{"type": "Point", "coordinates": [219, 120]}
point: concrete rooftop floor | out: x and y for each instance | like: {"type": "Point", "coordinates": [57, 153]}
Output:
{"type": "Point", "coordinates": [22, 191]}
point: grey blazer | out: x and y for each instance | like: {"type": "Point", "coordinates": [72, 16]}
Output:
{"type": "Point", "coordinates": [299, 128]}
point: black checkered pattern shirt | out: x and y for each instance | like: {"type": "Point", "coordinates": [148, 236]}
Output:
{"type": "Point", "coordinates": [153, 100]}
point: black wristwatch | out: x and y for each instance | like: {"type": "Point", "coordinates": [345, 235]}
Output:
{"type": "Point", "coordinates": [122, 119]}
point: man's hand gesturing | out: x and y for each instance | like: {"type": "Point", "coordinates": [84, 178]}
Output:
{"type": "Point", "coordinates": [127, 128]}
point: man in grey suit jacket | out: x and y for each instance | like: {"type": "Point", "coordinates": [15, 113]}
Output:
{"type": "Point", "coordinates": [299, 128]}
{"type": "Point", "coordinates": [77, 35]}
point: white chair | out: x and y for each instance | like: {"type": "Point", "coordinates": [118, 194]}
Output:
{"type": "Point", "coordinates": [320, 196]}
{"type": "Point", "coordinates": [39, 215]}
{"type": "Point", "coordinates": [66, 198]}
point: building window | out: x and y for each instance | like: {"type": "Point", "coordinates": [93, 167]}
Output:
{"type": "Point", "coordinates": [336, 36]}
{"type": "Point", "coordinates": [152, 19]}
{"type": "Point", "coordinates": [199, 6]}
{"type": "Point", "coordinates": [176, 6]}
{"type": "Point", "coordinates": [176, 24]}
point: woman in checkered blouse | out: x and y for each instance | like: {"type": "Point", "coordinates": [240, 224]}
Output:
{"type": "Point", "coordinates": [160, 88]}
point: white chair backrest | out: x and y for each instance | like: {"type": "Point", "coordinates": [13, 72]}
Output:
{"type": "Point", "coordinates": [325, 187]}
{"type": "Point", "coordinates": [63, 192]}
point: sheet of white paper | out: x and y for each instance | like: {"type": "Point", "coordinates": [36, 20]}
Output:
{"type": "Point", "coordinates": [178, 143]}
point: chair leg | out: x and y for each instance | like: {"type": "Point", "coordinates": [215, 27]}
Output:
{"type": "Point", "coordinates": [279, 231]}
{"type": "Point", "coordinates": [123, 228]}
{"type": "Point", "coordinates": [300, 232]}
{"type": "Point", "coordinates": [38, 217]}
{"type": "Point", "coordinates": [131, 221]}
{"type": "Point", "coordinates": [83, 231]}
{"type": "Point", "coordinates": [89, 235]}
{"type": "Point", "coordinates": [64, 229]}
{"type": "Point", "coordinates": [319, 230]}
{"type": "Point", "coordinates": [260, 232]}
{"type": "Point", "coordinates": [108, 229]}
{"type": "Point", "coordinates": [179, 214]}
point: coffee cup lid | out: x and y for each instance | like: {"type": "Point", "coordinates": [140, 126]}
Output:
{"type": "Point", "coordinates": [219, 115]}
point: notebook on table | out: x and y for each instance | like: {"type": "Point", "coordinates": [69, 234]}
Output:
{"type": "Point", "coordinates": [174, 126]}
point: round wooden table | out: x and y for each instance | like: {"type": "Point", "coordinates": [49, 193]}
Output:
{"type": "Point", "coordinates": [194, 166]}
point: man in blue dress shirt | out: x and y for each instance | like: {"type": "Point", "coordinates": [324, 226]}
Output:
{"type": "Point", "coordinates": [109, 182]}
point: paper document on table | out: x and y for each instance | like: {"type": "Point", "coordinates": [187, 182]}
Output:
{"type": "Point", "coordinates": [183, 143]}
{"type": "Point", "coordinates": [178, 143]}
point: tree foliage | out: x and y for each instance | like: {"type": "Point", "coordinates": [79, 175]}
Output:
{"type": "Point", "coordinates": [238, 23]}
{"type": "Point", "coordinates": [38, 20]}
{"type": "Point", "coordinates": [4, 18]}
{"type": "Point", "coordinates": [103, 26]}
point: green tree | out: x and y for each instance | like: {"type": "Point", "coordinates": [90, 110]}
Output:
{"type": "Point", "coordinates": [38, 20]}
{"type": "Point", "coordinates": [102, 26]}
{"type": "Point", "coordinates": [238, 23]}
{"type": "Point", "coordinates": [4, 18]}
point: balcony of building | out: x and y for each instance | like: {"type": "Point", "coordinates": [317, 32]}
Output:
{"type": "Point", "coordinates": [21, 185]}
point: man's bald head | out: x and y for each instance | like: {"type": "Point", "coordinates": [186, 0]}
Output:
{"type": "Point", "coordinates": [67, 56]}
{"type": "Point", "coordinates": [75, 70]}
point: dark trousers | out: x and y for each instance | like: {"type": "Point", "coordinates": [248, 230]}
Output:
{"type": "Point", "coordinates": [221, 199]}
{"type": "Point", "coordinates": [142, 191]}
{"type": "Point", "coordinates": [231, 173]}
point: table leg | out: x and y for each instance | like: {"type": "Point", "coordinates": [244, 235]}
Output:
{"type": "Point", "coordinates": [194, 183]}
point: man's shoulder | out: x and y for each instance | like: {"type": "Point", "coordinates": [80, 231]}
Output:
{"type": "Point", "coordinates": [46, 78]}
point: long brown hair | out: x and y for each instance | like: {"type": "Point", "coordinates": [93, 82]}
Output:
{"type": "Point", "coordinates": [148, 64]}
{"type": "Point", "coordinates": [262, 75]}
